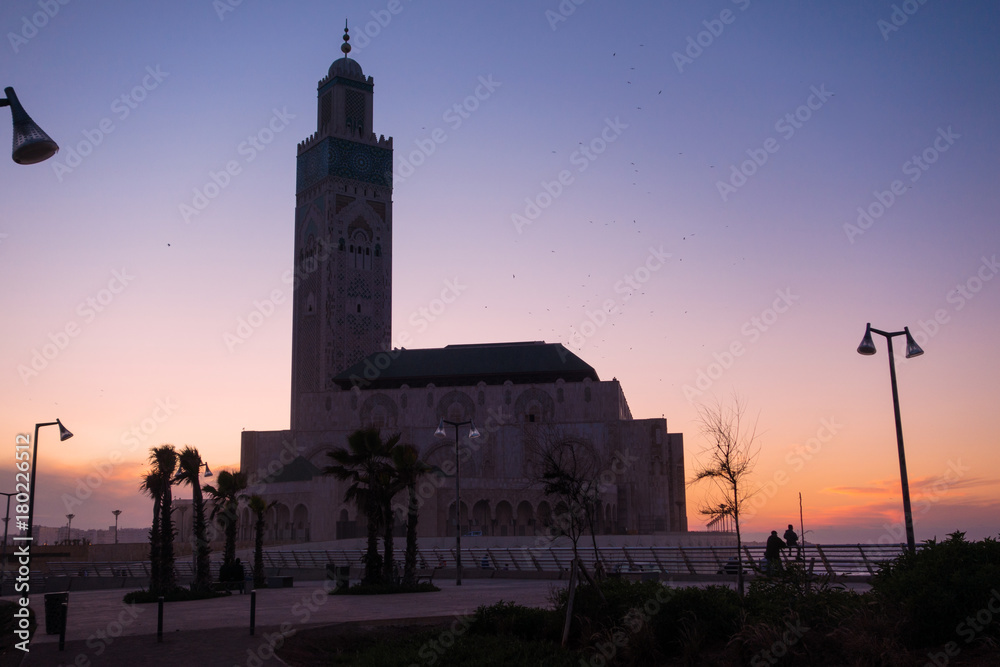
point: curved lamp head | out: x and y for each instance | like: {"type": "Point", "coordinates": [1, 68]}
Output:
{"type": "Point", "coordinates": [440, 430]}
{"type": "Point", "coordinates": [208, 471]}
{"type": "Point", "coordinates": [473, 431]}
{"type": "Point", "coordinates": [31, 144]}
{"type": "Point", "coordinates": [912, 349]}
{"type": "Point", "coordinates": [64, 433]}
{"type": "Point", "coordinates": [867, 346]}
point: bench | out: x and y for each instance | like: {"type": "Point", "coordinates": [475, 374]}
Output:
{"type": "Point", "coordinates": [229, 586]}
{"type": "Point", "coordinates": [426, 574]}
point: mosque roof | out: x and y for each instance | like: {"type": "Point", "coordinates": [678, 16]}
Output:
{"type": "Point", "coordinates": [466, 365]}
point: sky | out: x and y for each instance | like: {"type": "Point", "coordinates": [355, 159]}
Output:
{"type": "Point", "coordinates": [704, 200]}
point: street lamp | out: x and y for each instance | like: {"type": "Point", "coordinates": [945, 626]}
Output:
{"type": "Point", "coordinates": [473, 433]}
{"type": "Point", "coordinates": [867, 348]}
{"type": "Point", "coordinates": [31, 144]}
{"type": "Point", "coordinates": [6, 520]}
{"type": "Point", "coordinates": [116, 513]}
{"type": "Point", "coordinates": [64, 435]}
{"type": "Point", "coordinates": [69, 528]}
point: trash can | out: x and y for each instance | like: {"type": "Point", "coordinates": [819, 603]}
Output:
{"type": "Point", "coordinates": [55, 613]}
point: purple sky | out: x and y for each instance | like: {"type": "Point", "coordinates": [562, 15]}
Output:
{"type": "Point", "coordinates": [791, 170]}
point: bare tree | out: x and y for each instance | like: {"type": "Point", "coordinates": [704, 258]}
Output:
{"type": "Point", "coordinates": [729, 459]}
{"type": "Point", "coordinates": [570, 471]}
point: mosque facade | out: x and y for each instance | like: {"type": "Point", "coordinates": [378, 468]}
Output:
{"type": "Point", "coordinates": [523, 398]}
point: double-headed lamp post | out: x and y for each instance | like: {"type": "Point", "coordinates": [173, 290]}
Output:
{"type": "Point", "coordinates": [6, 520]}
{"type": "Point", "coordinates": [867, 348]}
{"type": "Point", "coordinates": [473, 433]}
{"type": "Point", "coordinates": [31, 144]}
{"type": "Point", "coordinates": [64, 435]}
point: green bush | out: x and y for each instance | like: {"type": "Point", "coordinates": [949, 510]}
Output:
{"type": "Point", "coordinates": [693, 619]}
{"type": "Point", "coordinates": [176, 595]}
{"type": "Point", "coordinates": [441, 646]}
{"type": "Point", "coordinates": [939, 586]}
{"type": "Point", "coordinates": [514, 620]}
{"type": "Point", "coordinates": [620, 596]}
{"type": "Point", "coordinates": [647, 621]}
{"type": "Point", "coordinates": [385, 589]}
{"type": "Point", "coordinates": [793, 591]}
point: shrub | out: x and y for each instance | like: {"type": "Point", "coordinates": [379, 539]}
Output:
{"type": "Point", "coordinates": [176, 595]}
{"type": "Point", "coordinates": [620, 596]}
{"type": "Point", "coordinates": [510, 619]}
{"type": "Point", "coordinates": [794, 591]}
{"type": "Point", "coordinates": [693, 619]}
{"type": "Point", "coordinates": [385, 589]}
{"type": "Point", "coordinates": [939, 586]}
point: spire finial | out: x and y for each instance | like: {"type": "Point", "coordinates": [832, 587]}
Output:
{"type": "Point", "coordinates": [345, 47]}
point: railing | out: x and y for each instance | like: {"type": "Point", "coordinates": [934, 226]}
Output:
{"type": "Point", "coordinates": [138, 568]}
{"type": "Point", "coordinates": [859, 560]}
{"type": "Point", "coordinates": [839, 560]}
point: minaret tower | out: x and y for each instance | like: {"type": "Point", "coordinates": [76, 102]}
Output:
{"type": "Point", "coordinates": [342, 304]}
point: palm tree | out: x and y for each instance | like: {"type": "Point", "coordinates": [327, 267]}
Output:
{"type": "Point", "coordinates": [226, 496]}
{"type": "Point", "coordinates": [152, 485]}
{"type": "Point", "coordinates": [364, 463]}
{"type": "Point", "coordinates": [157, 483]}
{"type": "Point", "coordinates": [258, 506]}
{"type": "Point", "coordinates": [388, 486]}
{"type": "Point", "coordinates": [190, 464]}
{"type": "Point", "coordinates": [409, 468]}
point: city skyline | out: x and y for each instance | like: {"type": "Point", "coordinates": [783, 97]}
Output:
{"type": "Point", "coordinates": [696, 200]}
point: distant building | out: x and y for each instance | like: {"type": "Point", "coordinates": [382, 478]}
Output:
{"type": "Point", "coordinates": [523, 396]}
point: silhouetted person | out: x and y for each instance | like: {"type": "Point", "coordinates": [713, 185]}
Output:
{"type": "Point", "coordinates": [772, 551]}
{"type": "Point", "coordinates": [792, 540]}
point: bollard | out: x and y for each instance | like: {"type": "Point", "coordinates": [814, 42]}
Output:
{"type": "Point", "coordinates": [159, 620]}
{"type": "Point", "coordinates": [62, 629]}
{"type": "Point", "coordinates": [253, 611]}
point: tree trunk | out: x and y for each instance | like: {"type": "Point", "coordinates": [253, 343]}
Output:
{"type": "Point", "coordinates": [373, 570]}
{"type": "Point", "coordinates": [739, 553]}
{"type": "Point", "coordinates": [258, 553]}
{"type": "Point", "coordinates": [203, 573]}
{"type": "Point", "coordinates": [387, 563]}
{"type": "Point", "coordinates": [410, 563]}
{"type": "Point", "coordinates": [229, 551]}
{"type": "Point", "coordinates": [168, 576]}
{"type": "Point", "coordinates": [154, 549]}
{"type": "Point", "coordinates": [569, 603]}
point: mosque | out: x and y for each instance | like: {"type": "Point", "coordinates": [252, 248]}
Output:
{"type": "Point", "coordinates": [520, 397]}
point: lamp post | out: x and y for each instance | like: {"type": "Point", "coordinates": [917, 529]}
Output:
{"type": "Point", "coordinates": [69, 528]}
{"type": "Point", "coordinates": [6, 520]}
{"type": "Point", "coordinates": [473, 433]}
{"type": "Point", "coordinates": [117, 513]}
{"type": "Point", "coordinates": [31, 144]}
{"type": "Point", "coordinates": [64, 435]}
{"type": "Point", "coordinates": [867, 348]}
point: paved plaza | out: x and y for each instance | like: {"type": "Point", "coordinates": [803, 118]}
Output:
{"type": "Point", "coordinates": [103, 630]}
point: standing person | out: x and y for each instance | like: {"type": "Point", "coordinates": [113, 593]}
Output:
{"type": "Point", "coordinates": [792, 540]}
{"type": "Point", "coordinates": [772, 552]}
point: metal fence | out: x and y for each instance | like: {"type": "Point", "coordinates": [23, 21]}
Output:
{"type": "Point", "coordinates": [839, 560]}
{"type": "Point", "coordinates": [858, 560]}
